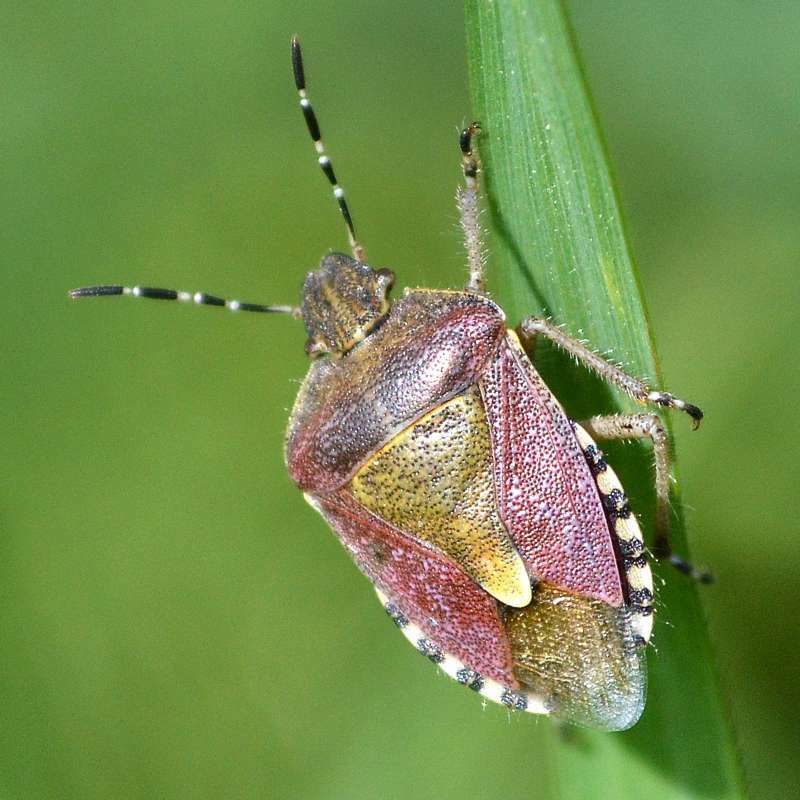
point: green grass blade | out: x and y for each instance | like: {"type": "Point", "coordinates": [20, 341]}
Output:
{"type": "Point", "coordinates": [558, 248]}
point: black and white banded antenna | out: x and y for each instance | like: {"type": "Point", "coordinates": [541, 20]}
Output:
{"type": "Point", "coordinates": [197, 298]}
{"type": "Point", "coordinates": [322, 157]}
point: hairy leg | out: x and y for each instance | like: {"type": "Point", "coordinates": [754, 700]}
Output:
{"type": "Point", "coordinates": [537, 326]}
{"type": "Point", "coordinates": [468, 199]}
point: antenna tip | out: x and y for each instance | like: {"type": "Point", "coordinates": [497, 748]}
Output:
{"type": "Point", "coordinates": [297, 65]}
{"type": "Point", "coordinates": [96, 291]}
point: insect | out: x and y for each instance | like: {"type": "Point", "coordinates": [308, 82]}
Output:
{"type": "Point", "coordinates": [497, 537]}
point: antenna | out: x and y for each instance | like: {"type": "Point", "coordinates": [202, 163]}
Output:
{"type": "Point", "coordinates": [316, 136]}
{"type": "Point", "coordinates": [198, 298]}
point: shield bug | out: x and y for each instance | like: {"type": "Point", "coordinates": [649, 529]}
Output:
{"type": "Point", "coordinates": [496, 535]}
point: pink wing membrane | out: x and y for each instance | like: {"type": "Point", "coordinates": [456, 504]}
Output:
{"type": "Point", "coordinates": [427, 587]}
{"type": "Point", "coordinates": [546, 494]}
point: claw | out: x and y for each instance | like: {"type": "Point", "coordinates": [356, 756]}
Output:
{"type": "Point", "coordinates": [465, 140]}
{"type": "Point", "coordinates": [700, 575]}
{"type": "Point", "coordinates": [668, 400]}
{"type": "Point", "coordinates": [662, 550]}
{"type": "Point", "coordinates": [695, 413]}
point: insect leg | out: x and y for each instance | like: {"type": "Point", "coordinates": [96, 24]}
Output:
{"type": "Point", "coordinates": [635, 387]}
{"type": "Point", "coordinates": [199, 298]}
{"type": "Point", "coordinates": [322, 157]}
{"type": "Point", "coordinates": [649, 426]}
{"type": "Point", "coordinates": [468, 200]}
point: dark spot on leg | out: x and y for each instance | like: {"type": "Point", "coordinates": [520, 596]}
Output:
{"type": "Point", "coordinates": [687, 568]}
{"type": "Point", "coordinates": [694, 412]}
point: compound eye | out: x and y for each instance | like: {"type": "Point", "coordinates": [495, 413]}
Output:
{"type": "Point", "coordinates": [316, 348]}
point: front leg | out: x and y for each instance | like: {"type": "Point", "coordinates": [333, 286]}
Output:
{"type": "Point", "coordinates": [648, 426]}
{"type": "Point", "coordinates": [534, 326]}
{"type": "Point", "coordinates": [468, 199]}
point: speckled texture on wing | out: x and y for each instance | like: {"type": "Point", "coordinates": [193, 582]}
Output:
{"type": "Point", "coordinates": [429, 588]}
{"type": "Point", "coordinates": [547, 496]}
{"type": "Point", "coordinates": [581, 654]}
{"type": "Point", "coordinates": [432, 346]}
{"type": "Point", "coordinates": [435, 482]}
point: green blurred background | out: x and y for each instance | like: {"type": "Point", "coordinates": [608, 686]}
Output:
{"type": "Point", "coordinates": [175, 620]}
